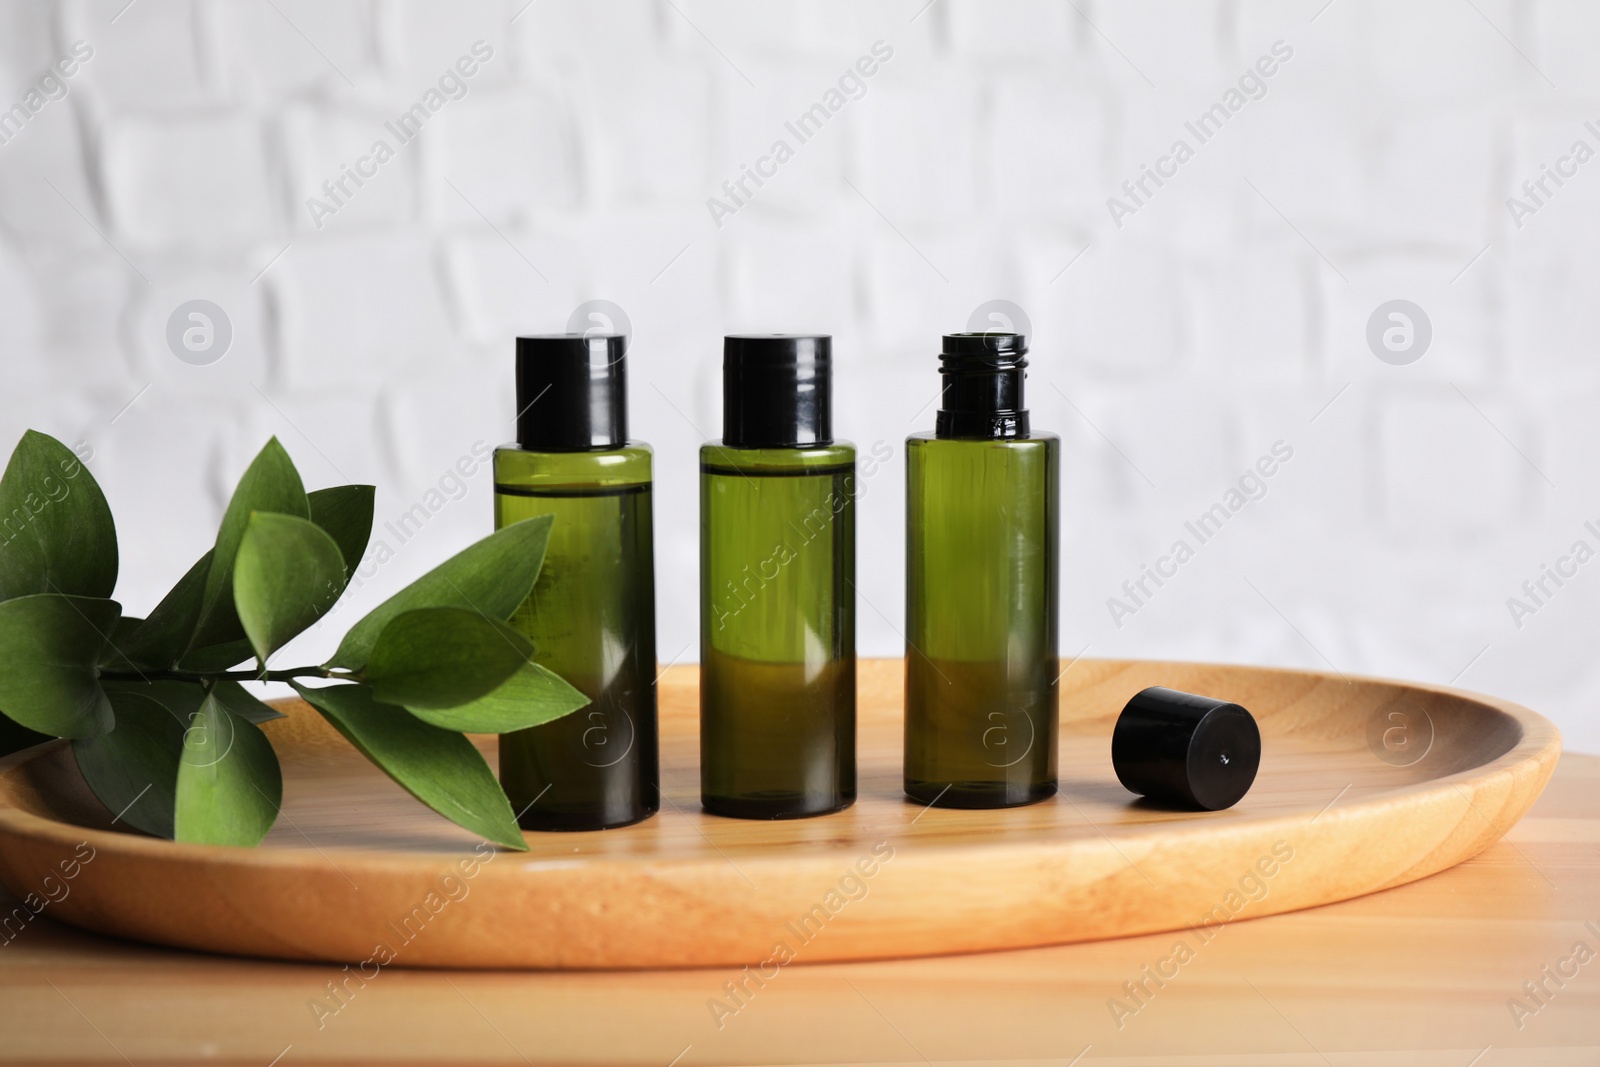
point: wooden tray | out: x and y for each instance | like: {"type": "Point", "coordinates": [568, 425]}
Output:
{"type": "Point", "coordinates": [357, 872]}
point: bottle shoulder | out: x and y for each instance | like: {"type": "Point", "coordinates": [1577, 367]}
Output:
{"type": "Point", "coordinates": [714, 455]}
{"type": "Point", "coordinates": [629, 465]}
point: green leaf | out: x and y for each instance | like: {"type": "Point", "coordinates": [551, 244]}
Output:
{"type": "Point", "coordinates": [229, 784]}
{"type": "Point", "coordinates": [161, 640]}
{"type": "Point", "coordinates": [242, 703]}
{"type": "Point", "coordinates": [533, 696]}
{"type": "Point", "coordinates": [493, 577]}
{"type": "Point", "coordinates": [49, 648]}
{"type": "Point", "coordinates": [345, 511]}
{"type": "Point", "coordinates": [443, 657]}
{"type": "Point", "coordinates": [112, 657]}
{"type": "Point", "coordinates": [270, 484]}
{"type": "Point", "coordinates": [56, 532]}
{"type": "Point", "coordinates": [287, 574]}
{"type": "Point", "coordinates": [183, 699]}
{"type": "Point", "coordinates": [441, 768]}
{"type": "Point", "coordinates": [214, 659]}
{"type": "Point", "coordinates": [134, 768]}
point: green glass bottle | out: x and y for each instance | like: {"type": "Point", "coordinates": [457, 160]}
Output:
{"type": "Point", "coordinates": [981, 573]}
{"type": "Point", "coordinates": [591, 615]}
{"type": "Point", "coordinates": [777, 589]}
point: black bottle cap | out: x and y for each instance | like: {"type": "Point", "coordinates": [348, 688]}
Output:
{"type": "Point", "coordinates": [983, 375]}
{"type": "Point", "coordinates": [572, 392]}
{"type": "Point", "coordinates": [1185, 750]}
{"type": "Point", "coordinates": [777, 390]}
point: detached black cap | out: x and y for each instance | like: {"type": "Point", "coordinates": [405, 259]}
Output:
{"type": "Point", "coordinates": [572, 392]}
{"type": "Point", "coordinates": [983, 375]}
{"type": "Point", "coordinates": [1185, 750]}
{"type": "Point", "coordinates": [777, 390]}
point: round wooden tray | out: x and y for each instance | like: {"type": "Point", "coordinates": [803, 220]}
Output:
{"type": "Point", "coordinates": [1363, 785]}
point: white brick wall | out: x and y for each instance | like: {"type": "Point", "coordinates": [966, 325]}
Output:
{"type": "Point", "coordinates": [1222, 316]}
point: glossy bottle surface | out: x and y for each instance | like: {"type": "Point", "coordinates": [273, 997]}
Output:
{"type": "Point", "coordinates": [981, 656]}
{"type": "Point", "coordinates": [591, 618]}
{"type": "Point", "coordinates": [777, 630]}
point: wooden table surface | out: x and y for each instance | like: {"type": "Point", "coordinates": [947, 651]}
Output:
{"type": "Point", "coordinates": [1429, 973]}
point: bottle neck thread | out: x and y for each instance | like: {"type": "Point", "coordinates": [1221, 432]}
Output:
{"type": "Point", "coordinates": [983, 376]}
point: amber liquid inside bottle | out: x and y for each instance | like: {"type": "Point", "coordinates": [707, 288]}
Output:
{"type": "Point", "coordinates": [777, 638]}
{"type": "Point", "coordinates": [591, 617]}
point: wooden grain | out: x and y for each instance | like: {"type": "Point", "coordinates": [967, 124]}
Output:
{"type": "Point", "coordinates": [355, 870]}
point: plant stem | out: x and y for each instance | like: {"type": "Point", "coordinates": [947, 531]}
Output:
{"type": "Point", "coordinates": [219, 676]}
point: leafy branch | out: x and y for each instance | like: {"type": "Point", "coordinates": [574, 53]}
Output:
{"type": "Point", "coordinates": [161, 727]}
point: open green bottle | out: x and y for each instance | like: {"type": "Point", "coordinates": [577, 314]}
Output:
{"type": "Point", "coordinates": [777, 589]}
{"type": "Point", "coordinates": [591, 615]}
{"type": "Point", "coordinates": [982, 520]}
